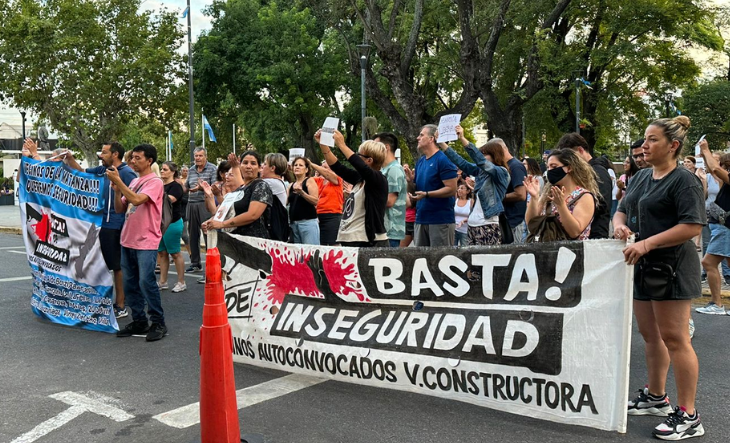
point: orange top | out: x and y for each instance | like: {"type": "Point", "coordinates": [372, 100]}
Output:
{"type": "Point", "coordinates": [331, 198]}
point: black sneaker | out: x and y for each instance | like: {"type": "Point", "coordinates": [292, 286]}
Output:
{"type": "Point", "coordinates": [134, 328]}
{"type": "Point", "coordinates": [679, 425]}
{"type": "Point", "coordinates": [647, 404]}
{"type": "Point", "coordinates": [194, 268]}
{"type": "Point", "coordinates": [157, 331]}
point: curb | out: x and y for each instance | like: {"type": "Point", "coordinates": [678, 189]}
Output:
{"type": "Point", "coordinates": [11, 230]}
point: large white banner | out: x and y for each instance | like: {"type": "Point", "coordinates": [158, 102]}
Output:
{"type": "Point", "coordinates": [541, 330]}
{"type": "Point", "coordinates": [61, 211]}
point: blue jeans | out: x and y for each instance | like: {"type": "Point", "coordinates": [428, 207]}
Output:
{"type": "Point", "coordinates": [305, 232]}
{"type": "Point", "coordinates": [394, 243]}
{"type": "Point", "coordinates": [140, 285]}
{"type": "Point", "coordinates": [460, 238]}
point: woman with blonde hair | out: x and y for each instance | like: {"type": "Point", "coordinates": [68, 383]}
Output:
{"type": "Point", "coordinates": [664, 206]}
{"type": "Point", "coordinates": [570, 195]}
{"type": "Point", "coordinates": [363, 217]}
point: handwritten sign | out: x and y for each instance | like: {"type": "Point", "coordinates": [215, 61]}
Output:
{"type": "Point", "coordinates": [447, 128]}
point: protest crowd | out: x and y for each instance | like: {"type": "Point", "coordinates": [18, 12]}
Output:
{"type": "Point", "coordinates": [670, 208]}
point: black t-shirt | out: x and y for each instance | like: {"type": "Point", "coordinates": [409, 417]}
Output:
{"type": "Point", "coordinates": [602, 216]}
{"type": "Point", "coordinates": [654, 206]}
{"type": "Point", "coordinates": [174, 189]}
{"type": "Point", "coordinates": [258, 191]}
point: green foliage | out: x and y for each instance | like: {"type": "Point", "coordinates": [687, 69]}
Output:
{"type": "Point", "coordinates": [88, 66]}
{"type": "Point", "coordinates": [270, 67]}
{"type": "Point", "coordinates": [708, 106]}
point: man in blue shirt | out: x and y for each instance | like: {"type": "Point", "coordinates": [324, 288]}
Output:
{"type": "Point", "coordinates": [433, 186]}
{"type": "Point", "coordinates": [112, 154]}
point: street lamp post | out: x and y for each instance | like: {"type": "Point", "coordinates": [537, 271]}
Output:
{"type": "Point", "coordinates": [364, 52]}
{"type": "Point", "coordinates": [667, 101]}
{"type": "Point", "coordinates": [543, 138]}
{"type": "Point", "coordinates": [22, 114]}
{"type": "Point", "coordinates": [190, 88]}
{"type": "Point", "coordinates": [577, 105]}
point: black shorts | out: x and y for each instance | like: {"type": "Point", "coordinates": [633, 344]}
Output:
{"type": "Point", "coordinates": [685, 284]}
{"type": "Point", "coordinates": [409, 228]}
{"type": "Point", "coordinates": [110, 241]}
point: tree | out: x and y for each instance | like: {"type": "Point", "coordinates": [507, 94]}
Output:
{"type": "Point", "coordinates": [708, 105]}
{"type": "Point", "coordinates": [268, 65]}
{"type": "Point", "coordinates": [631, 53]}
{"type": "Point", "coordinates": [87, 66]}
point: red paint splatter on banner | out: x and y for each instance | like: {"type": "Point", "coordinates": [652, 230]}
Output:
{"type": "Point", "coordinates": [291, 274]}
{"type": "Point", "coordinates": [339, 276]}
{"type": "Point", "coordinates": [43, 228]}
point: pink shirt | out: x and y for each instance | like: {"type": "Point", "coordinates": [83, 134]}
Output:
{"type": "Point", "coordinates": [142, 226]}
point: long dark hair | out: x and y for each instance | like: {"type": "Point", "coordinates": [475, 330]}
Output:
{"type": "Point", "coordinates": [533, 168]}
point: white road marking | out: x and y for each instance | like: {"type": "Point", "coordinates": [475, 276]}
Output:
{"type": "Point", "coordinates": [189, 415]}
{"type": "Point", "coordinates": [28, 277]}
{"type": "Point", "coordinates": [19, 252]}
{"type": "Point", "coordinates": [51, 424]}
{"type": "Point", "coordinates": [79, 404]}
{"type": "Point", "coordinates": [12, 247]}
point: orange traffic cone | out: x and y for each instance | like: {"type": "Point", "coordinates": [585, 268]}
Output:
{"type": "Point", "coordinates": [218, 409]}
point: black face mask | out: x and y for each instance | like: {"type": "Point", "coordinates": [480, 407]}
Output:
{"type": "Point", "coordinates": [555, 175]}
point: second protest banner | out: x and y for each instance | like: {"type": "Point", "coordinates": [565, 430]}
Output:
{"type": "Point", "coordinates": [61, 211]}
{"type": "Point", "coordinates": [540, 330]}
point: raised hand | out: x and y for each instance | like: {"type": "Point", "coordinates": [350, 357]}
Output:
{"type": "Point", "coordinates": [532, 186]}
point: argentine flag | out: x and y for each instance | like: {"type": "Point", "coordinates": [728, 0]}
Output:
{"type": "Point", "coordinates": [206, 125]}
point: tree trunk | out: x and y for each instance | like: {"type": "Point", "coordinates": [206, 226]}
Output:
{"type": "Point", "coordinates": [306, 127]}
{"type": "Point", "coordinates": [505, 123]}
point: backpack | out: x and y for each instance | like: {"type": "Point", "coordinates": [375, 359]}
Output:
{"type": "Point", "coordinates": [278, 221]}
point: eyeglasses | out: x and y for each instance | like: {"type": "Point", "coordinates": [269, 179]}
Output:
{"type": "Point", "coordinates": [363, 155]}
{"type": "Point", "coordinates": [637, 156]}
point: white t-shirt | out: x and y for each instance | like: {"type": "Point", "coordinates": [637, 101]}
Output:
{"type": "Point", "coordinates": [476, 218]}
{"type": "Point", "coordinates": [614, 191]}
{"type": "Point", "coordinates": [461, 213]}
{"type": "Point", "coordinates": [278, 188]}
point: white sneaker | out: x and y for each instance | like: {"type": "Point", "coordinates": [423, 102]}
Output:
{"type": "Point", "coordinates": [711, 308]}
{"type": "Point", "coordinates": [179, 287]}
{"type": "Point", "coordinates": [162, 285]}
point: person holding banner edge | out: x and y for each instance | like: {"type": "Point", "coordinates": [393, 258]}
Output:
{"type": "Point", "coordinates": [112, 154]}
{"type": "Point", "coordinates": [664, 206]}
{"type": "Point", "coordinates": [140, 240]}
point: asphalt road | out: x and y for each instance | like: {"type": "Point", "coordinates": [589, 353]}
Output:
{"type": "Point", "coordinates": [39, 359]}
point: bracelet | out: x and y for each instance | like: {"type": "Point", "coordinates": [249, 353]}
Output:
{"type": "Point", "coordinates": [426, 194]}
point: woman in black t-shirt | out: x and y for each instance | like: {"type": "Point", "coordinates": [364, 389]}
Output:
{"type": "Point", "coordinates": [170, 243]}
{"type": "Point", "coordinates": [363, 215]}
{"type": "Point", "coordinates": [665, 207]}
{"type": "Point", "coordinates": [250, 202]}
